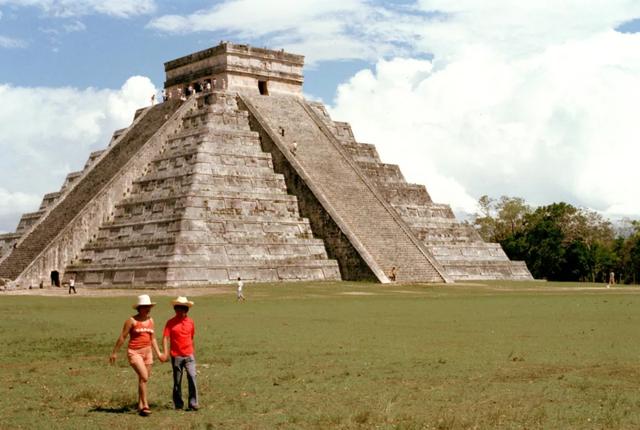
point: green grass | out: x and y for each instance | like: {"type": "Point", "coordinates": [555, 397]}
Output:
{"type": "Point", "coordinates": [502, 355]}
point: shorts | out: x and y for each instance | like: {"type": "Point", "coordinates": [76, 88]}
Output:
{"type": "Point", "coordinates": [144, 355]}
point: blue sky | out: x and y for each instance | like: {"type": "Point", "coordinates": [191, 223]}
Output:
{"type": "Point", "coordinates": [535, 99]}
{"type": "Point", "coordinates": [99, 50]}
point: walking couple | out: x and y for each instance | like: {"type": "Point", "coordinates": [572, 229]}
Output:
{"type": "Point", "coordinates": [178, 335]}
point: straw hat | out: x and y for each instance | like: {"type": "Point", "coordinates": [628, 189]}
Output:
{"type": "Point", "coordinates": [181, 301]}
{"type": "Point", "coordinates": [143, 300]}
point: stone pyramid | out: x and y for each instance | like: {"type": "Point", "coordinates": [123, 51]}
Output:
{"type": "Point", "coordinates": [209, 208]}
{"type": "Point", "coordinates": [235, 174]}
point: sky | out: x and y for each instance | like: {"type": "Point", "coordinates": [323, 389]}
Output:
{"type": "Point", "coordinates": [534, 99]}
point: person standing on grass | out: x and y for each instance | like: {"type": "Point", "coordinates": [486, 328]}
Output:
{"type": "Point", "coordinates": [72, 285]}
{"type": "Point", "coordinates": [142, 344]}
{"type": "Point", "coordinates": [240, 286]}
{"type": "Point", "coordinates": [179, 332]}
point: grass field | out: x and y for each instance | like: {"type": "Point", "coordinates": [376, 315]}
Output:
{"type": "Point", "coordinates": [352, 355]}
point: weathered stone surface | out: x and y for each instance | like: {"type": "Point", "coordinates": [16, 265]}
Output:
{"type": "Point", "coordinates": [373, 228]}
{"type": "Point", "coordinates": [456, 246]}
{"type": "Point", "coordinates": [208, 207]}
{"type": "Point", "coordinates": [203, 190]}
{"type": "Point", "coordinates": [56, 239]}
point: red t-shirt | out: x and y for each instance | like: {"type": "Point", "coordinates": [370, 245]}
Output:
{"type": "Point", "coordinates": [140, 334]}
{"type": "Point", "coordinates": [180, 332]}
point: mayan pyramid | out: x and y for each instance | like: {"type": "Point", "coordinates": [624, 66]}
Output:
{"type": "Point", "coordinates": [236, 174]}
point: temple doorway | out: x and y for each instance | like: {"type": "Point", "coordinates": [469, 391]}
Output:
{"type": "Point", "coordinates": [262, 87]}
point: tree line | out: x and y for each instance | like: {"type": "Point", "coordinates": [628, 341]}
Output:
{"type": "Point", "coordinates": [560, 242]}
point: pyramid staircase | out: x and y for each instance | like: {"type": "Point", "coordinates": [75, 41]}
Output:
{"type": "Point", "coordinates": [198, 203]}
{"type": "Point", "coordinates": [246, 180]}
{"type": "Point", "coordinates": [208, 209]}
{"type": "Point", "coordinates": [372, 226]}
{"type": "Point", "coordinates": [71, 218]}
{"type": "Point", "coordinates": [455, 245]}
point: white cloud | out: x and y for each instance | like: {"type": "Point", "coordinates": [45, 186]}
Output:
{"type": "Point", "coordinates": [11, 43]}
{"type": "Point", "coordinates": [72, 8]}
{"type": "Point", "coordinates": [559, 125]}
{"type": "Point", "coordinates": [74, 26]}
{"type": "Point", "coordinates": [17, 201]}
{"type": "Point", "coordinates": [49, 132]}
{"type": "Point", "coordinates": [319, 29]}
{"type": "Point", "coordinates": [533, 98]}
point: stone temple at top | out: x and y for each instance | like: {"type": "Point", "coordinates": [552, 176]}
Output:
{"type": "Point", "coordinates": [235, 174]}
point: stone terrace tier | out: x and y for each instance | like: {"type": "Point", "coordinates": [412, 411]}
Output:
{"type": "Point", "coordinates": [374, 229]}
{"type": "Point", "coordinates": [208, 208]}
{"type": "Point", "coordinates": [38, 238]}
{"type": "Point", "coordinates": [455, 245]}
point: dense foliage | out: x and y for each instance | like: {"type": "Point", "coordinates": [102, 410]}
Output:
{"type": "Point", "coordinates": [561, 242]}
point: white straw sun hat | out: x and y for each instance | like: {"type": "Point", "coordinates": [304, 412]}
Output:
{"type": "Point", "coordinates": [181, 301]}
{"type": "Point", "coordinates": [143, 300]}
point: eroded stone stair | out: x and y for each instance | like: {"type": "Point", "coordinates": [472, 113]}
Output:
{"type": "Point", "coordinates": [375, 230]}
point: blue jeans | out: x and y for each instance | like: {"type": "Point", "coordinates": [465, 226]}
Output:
{"type": "Point", "coordinates": [178, 364]}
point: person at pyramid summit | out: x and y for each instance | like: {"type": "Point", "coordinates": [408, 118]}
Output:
{"type": "Point", "coordinates": [142, 345]}
{"type": "Point", "coordinates": [178, 334]}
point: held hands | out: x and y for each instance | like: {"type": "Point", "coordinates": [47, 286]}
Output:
{"type": "Point", "coordinates": [163, 357]}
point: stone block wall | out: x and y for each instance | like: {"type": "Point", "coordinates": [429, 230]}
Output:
{"type": "Point", "coordinates": [57, 238]}
{"type": "Point", "coordinates": [207, 209]}
{"type": "Point", "coordinates": [455, 245]}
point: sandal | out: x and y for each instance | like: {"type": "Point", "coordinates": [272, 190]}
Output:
{"type": "Point", "coordinates": [145, 412]}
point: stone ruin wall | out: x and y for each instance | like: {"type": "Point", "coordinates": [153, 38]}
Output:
{"type": "Point", "coordinates": [237, 68]}
{"type": "Point", "coordinates": [352, 266]}
{"type": "Point", "coordinates": [83, 229]}
{"type": "Point", "coordinates": [247, 70]}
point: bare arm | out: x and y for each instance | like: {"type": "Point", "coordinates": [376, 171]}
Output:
{"type": "Point", "coordinates": [120, 341]}
{"type": "Point", "coordinates": [165, 348]}
{"type": "Point", "coordinates": [154, 344]}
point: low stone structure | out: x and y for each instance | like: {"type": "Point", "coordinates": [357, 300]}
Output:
{"type": "Point", "coordinates": [237, 175]}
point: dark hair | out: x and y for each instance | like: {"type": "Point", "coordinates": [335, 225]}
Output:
{"type": "Point", "coordinates": [181, 308]}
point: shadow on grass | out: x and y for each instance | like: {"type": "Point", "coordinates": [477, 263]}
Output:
{"type": "Point", "coordinates": [126, 409]}
{"type": "Point", "coordinates": [114, 410]}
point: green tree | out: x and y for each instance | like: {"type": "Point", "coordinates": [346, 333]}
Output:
{"type": "Point", "coordinates": [628, 250]}
{"type": "Point", "coordinates": [498, 220]}
{"type": "Point", "coordinates": [485, 222]}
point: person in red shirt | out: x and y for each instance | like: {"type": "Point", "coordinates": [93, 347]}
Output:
{"type": "Point", "coordinates": [179, 332]}
{"type": "Point", "coordinates": [142, 344]}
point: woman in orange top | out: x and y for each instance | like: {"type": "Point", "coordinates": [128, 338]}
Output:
{"type": "Point", "coordinates": [139, 328]}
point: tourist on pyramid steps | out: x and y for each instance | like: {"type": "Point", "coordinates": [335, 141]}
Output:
{"type": "Point", "coordinates": [72, 285]}
{"type": "Point", "coordinates": [207, 86]}
{"type": "Point", "coordinates": [165, 96]}
{"type": "Point", "coordinates": [142, 345]}
{"type": "Point", "coordinates": [240, 286]}
{"type": "Point", "coordinates": [294, 147]}
{"type": "Point", "coordinates": [393, 274]}
{"type": "Point", "coordinates": [153, 99]}
{"type": "Point", "coordinates": [178, 333]}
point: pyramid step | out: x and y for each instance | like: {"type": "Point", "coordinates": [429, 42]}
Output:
{"type": "Point", "coordinates": [209, 199]}
{"type": "Point", "coordinates": [66, 209]}
{"type": "Point", "coordinates": [342, 188]}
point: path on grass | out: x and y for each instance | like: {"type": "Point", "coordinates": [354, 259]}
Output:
{"type": "Point", "coordinates": [103, 292]}
{"type": "Point", "coordinates": [350, 289]}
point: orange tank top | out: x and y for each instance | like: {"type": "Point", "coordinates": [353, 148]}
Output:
{"type": "Point", "coordinates": [140, 334]}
